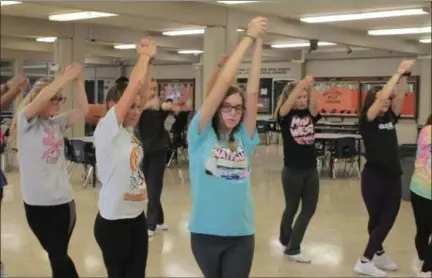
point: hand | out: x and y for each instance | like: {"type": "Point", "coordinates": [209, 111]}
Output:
{"type": "Point", "coordinates": [147, 46]}
{"type": "Point", "coordinates": [20, 83]}
{"type": "Point", "coordinates": [257, 27]}
{"type": "Point", "coordinates": [73, 71]}
{"type": "Point", "coordinates": [405, 66]}
{"type": "Point", "coordinates": [176, 108]}
{"type": "Point", "coordinates": [309, 80]}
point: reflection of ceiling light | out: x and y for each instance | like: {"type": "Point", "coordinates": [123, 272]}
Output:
{"type": "Point", "coordinates": [125, 46]}
{"type": "Point", "coordinates": [46, 39]}
{"type": "Point", "coordinates": [8, 3]}
{"type": "Point", "coordinates": [78, 16]}
{"type": "Point", "coordinates": [190, 52]}
{"type": "Point", "coordinates": [184, 32]}
{"type": "Point", "coordinates": [300, 44]}
{"type": "Point", "coordinates": [240, 30]}
{"type": "Point", "coordinates": [361, 16]}
{"type": "Point", "coordinates": [403, 31]}
{"type": "Point", "coordinates": [236, 2]}
{"type": "Point", "coordinates": [425, 41]}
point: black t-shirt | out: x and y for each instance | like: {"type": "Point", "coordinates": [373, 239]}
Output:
{"type": "Point", "coordinates": [381, 144]}
{"type": "Point", "coordinates": [298, 134]}
{"type": "Point", "coordinates": [152, 132]}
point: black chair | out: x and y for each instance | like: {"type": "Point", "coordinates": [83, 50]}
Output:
{"type": "Point", "coordinates": [83, 153]}
{"type": "Point", "coordinates": [178, 145]}
{"type": "Point", "coordinates": [345, 149]}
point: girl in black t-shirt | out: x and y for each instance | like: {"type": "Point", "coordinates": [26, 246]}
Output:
{"type": "Point", "coordinates": [381, 176]}
{"type": "Point", "coordinates": [297, 114]}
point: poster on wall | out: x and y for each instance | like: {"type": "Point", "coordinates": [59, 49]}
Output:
{"type": "Point", "coordinates": [180, 91]}
{"type": "Point", "coordinates": [264, 94]}
{"type": "Point", "coordinates": [409, 107]}
{"type": "Point", "coordinates": [278, 86]}
{"type": "Point", "coordinates": [338, 98]}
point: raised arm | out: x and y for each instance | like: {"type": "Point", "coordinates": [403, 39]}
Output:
{"type": "Point", "coordinates": [313, 100]}
{"type": "Point", "coordinates": [145, 89]}
{"type": "Point", "coordinates": [44, 97]}
{"type": "Point", "coordinates": [385, 93]}
{"type": "Point", "coordinates": [256, 27]}
{"type": "Point", "coordinates": [10, 91]}
{"type": "Point", "coordinates": [147, 50]}
{"type": "Point", "coordinates": [401, 88]}
{"type": "Point", "coordinates": [252, 89]}
{"type": "Point", "coordinates": [82, 108]}
{"type": "Point", "coordinates": [291, 98]}
{"type": "Point", "coordinates": [215, 73]}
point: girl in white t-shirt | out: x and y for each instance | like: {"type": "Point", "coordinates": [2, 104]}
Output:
{"type": "Point", "coordinates": [120, 226]}
{"type": "Point", "coordinates": [46, 191]}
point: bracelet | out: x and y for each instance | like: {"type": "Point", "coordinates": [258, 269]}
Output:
{"type": "Point", "coordinates": [248, 36]}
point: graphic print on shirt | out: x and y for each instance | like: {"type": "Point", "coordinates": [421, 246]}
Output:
{"type": "Point", "coordinates": [302, 130]}
{"type": "Point", "coordinates": [227, 164]}
{"type": "Point", "coordinates": [386, 126]}
{"type": "Point", "coordinates": [137, 190]}
{"type": "Point", "coordinates": [54, 143]}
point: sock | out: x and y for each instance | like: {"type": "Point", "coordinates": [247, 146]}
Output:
{"type": "Point", "coordinates": [380, 252]}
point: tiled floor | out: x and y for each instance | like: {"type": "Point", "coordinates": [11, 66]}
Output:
{"type": "Point", "coordinates": [335, 239]}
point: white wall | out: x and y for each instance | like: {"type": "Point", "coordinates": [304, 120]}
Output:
{"type": "Point", "coordinates": [407, 129]}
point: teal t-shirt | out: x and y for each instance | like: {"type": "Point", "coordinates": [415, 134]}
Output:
{"type": "Point", "coordinates": [222, 202]}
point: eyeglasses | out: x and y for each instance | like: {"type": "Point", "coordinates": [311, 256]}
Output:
{"type": "Point", "coordinates": [226, 108]}
{"type": "Point", "coordinates": [58, 100]}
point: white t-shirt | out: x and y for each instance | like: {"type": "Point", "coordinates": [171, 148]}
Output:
{"type": "Point", "coordinates": [118, 159]}
{"type": "Point", "coordinates": [42, 163]}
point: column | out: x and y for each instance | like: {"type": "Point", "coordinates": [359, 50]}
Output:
{"type": "Point", "coordinates": [18, 69]}
{"type": "Point", "coordinates": [69, 49]}
{"type": "Point", "coordinates": [231, 33]}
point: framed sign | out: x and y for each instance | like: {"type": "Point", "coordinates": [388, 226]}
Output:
{"type": "Point", "coordinates": [338, 98]}
{"type": "Point", "coordinates": [180, 91]}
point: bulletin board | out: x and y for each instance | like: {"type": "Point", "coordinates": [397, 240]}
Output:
{"type": "Point", "coordinates": [181, 91]}
{"type": "Point", "coordinates": [338, 98]}
{"type": "Point", "coordinates": [264, 94]}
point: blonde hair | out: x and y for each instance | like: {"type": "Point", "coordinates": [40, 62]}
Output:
{"type": "Point", "coordinates": [37, 88]}
{"type": "Point", "coordinates": [283, 97]}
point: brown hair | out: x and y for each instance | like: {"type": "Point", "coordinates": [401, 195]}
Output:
{"type": "Point", "coordinates": [216, 118]}
{"type": "Point", "coordinates": [115, 93]}
{"type": "Point", "coordinates": [429, 120]}
{"type": "Point", "coordinates": [38, 86]}
{"type": "Point", "coordinates": [283, 97]}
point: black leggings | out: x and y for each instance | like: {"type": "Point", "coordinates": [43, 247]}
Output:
{"type": "Point", "coordinates": [53, 226]}
{"type": "Point", "coordinates": [153, 167]}
{"type": "Point", "coordinates": [298, 185]}
{"type": "Point", "coordinates": [223, 257]}
{"type": "Point", "coordinates": [422, 208]}
{"type": "Point", "coordinates": [124, 245]}
{"type": "Point", "coordinates": [382, 197]}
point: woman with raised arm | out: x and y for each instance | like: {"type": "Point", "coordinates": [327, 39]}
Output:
{"type": "Point", "coordinates": [421, 199]}
{"type": "Point", "coordinates": [47, 194]}
{"type": "Point", "coordinates": [381, 176]}
{"type": "Point", "coordinates": [222, 137]}
{"type": "Point", "coordinates": [297, 115]}
{"type": "Point", "coordinates": [8, 93]}
{"type": "Point", "coordinates": [120, 227]}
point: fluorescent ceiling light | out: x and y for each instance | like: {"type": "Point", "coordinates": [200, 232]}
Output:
{"type": "Point", "coordinates": [425, 40]}
{"type": "Point", "coordinates": [362, 16]}
{"type": "Point", "coordinates": [190, 52]}
{"type": "Point", "coordinates": [240, 30]}
{"type": "Point", "coordinates": [300, 44]}
{"type": "Point", "coordinates": [8, 3]}
{"type": "Point", "coordinates": [236, 2]}
{"type": "Point", "coordinates": [125, 46]}
{"type": "Point", "coordinates": [403, 31]}
{"type": "Point", "coordinates": [46, 39]}
{"type": "Point", "coordinates": [184, 32]}
{"type": "Point", "coordinates": [78, 16]}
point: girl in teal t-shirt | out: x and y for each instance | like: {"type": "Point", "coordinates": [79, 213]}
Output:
{"type": "Point", "coordinates": [221, 139]}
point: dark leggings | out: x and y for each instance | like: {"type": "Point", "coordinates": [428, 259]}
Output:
{"type": "Point", "coordinates": [53, 226]}
{"type": "Point", "coordinates": [124, 245]}
{"type": "Point", "coordinates": [422, 208]}
{"type": "Point", "coordinates": [298, 185]}
{"type": "Point", "coordinates": [154, 168]}
{"type": "Point", "coordinates": [223, 257]}
{"type": "Point", "coordinates": [382, 197]}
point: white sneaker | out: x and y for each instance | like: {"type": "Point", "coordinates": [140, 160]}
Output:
{"type": "Point", "coordinates": [368, 269]}
{"type": "Point", "coordinates": [151, 233]}
{"type": "Point", "coordinates": [162, 227]}
{"type": "Point", "coordinates": [424, 274]}
{"type": "Point", "coordinates": [300, 258]}
{"type": "Point", "coordinates": [384, 262]}
{"type": "Point", "coordinates": [418, 266]}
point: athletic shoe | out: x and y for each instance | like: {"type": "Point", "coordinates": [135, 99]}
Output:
{"type": "Point", "coordinates": [162, 227]}
{"type": "Point", "coordinates": [300, 258]}
{"type": "Point", "coordinates": [151, 233]}
{"type": "Point", "coordinates": [369, 269]}
{"type": "Point", "coordinates": [424, 274]}
{"type": "Point", "coordinates": [384, 262]}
